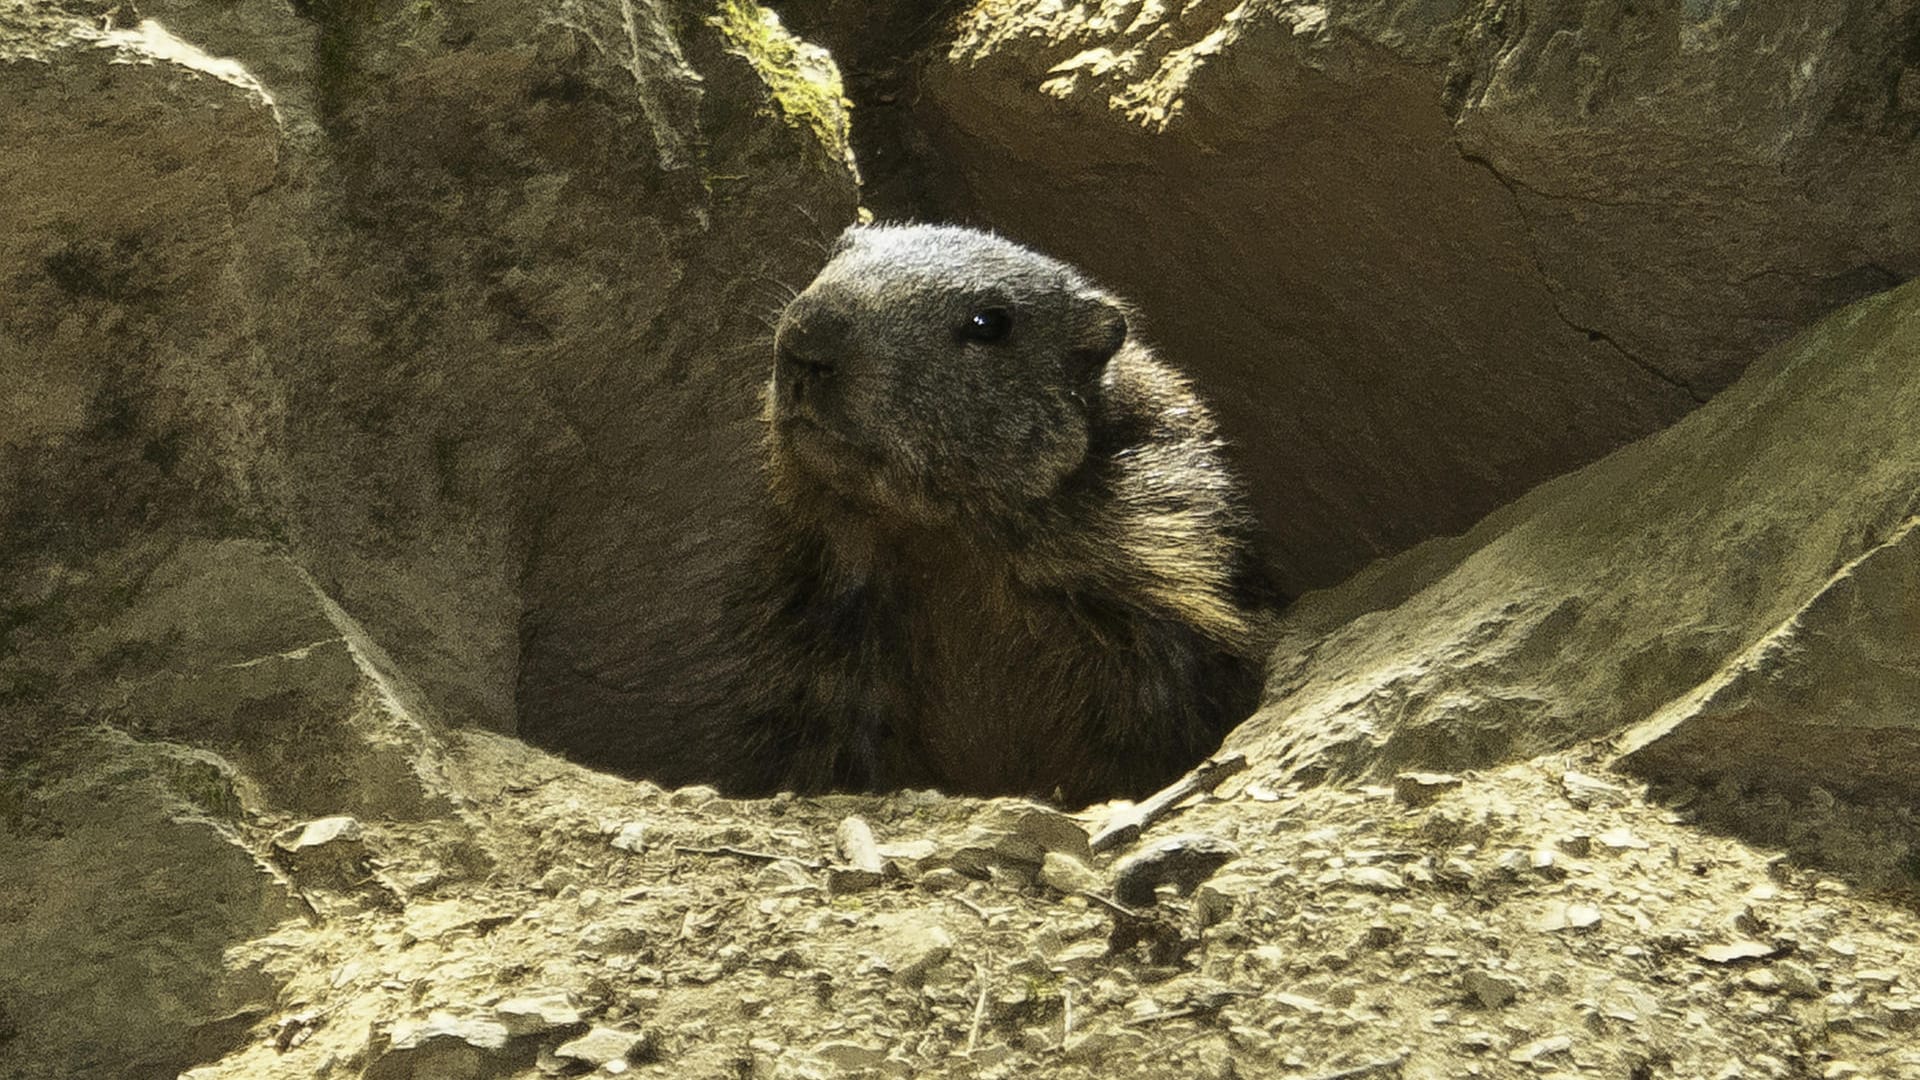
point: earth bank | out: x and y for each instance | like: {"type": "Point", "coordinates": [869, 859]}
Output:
{"type": "Point", "coordinates": [382, 381]}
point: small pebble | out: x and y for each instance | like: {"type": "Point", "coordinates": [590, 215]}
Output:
{"type": "Point", "coordinates": [1069, 875]}
{"type": "Point", "coordinates": [1540, 1048]}
{"type": "Point", "coordinates": [1184, 861]}
{"type": "Point", "coordinates": [1422, 788]}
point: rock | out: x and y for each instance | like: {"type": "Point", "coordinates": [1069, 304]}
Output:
{"type": "Point", "coordinates": [1183, 860]}
{"type": "Point", "coordinates": [240, 637]}
{"type": "Point", "coordinates": [329, 851]}
{"type": "Point", "coordinates": [1479, 1042]}
{"type": "Point", "coordinates": [1797, 979]}
{"type": "Point", "coordinates": [784, 877]}
{"type": "Point", "coordinates": [602, 1045]}
{"type": "Point", "coordinates": [1299, 1002]}
{"type": "Point", "coordinates": [1489, 989]}
{"type": "Point", "coordinates": [1547, 865]}
{"type": "Point", "coordinates": [1724, 531]}
{"type": "Point", "coordinates": [558, 880]}
{"type": "Point", "coordinates": [312, 326]}
{"type": "Point", "coordinates": [1218, 898]}
{"type": "Point", "coordinates": [849, 1055]}
{"type": "Point", "coordinates": [1089, 1046]}
{"type": "Point", "coordinates": [844, 880]}
{"type": "Point", "coordinates": [316, 834]}
{"type": "Point", "coordinates": [692, 796]}
{"type": "Point", "coordinates": [1375, 879]}
{"type": "Point", "coordinates": [909, 852]}
{"type": "Point", "coordinates": [1835, 639]}
{"type": "Point", "coordinates": [1563, 916]}
{"type": "Point", "coordinates": [1069, 875]}
{"type": "Point", "coordinates": [911, 947]}
{"type": "Point", "coordinates": [1541, 1048]}
{"type": "Point", "coordinates": [631, 836]}
{"type": "Point", "coordinates": [479, 1034]}
{"type": "Point", "coordinates": [533, 1015]}
{"type": "Point", "coordinates": [1620, 840]}
{"type": "Point", "coordinates": [1381, 936]}
{"type": "Point", "coordinates": [865, 868]}
{"type": "Point", "coordinates": [411, 490]}
{"type": "Point", "coordinates": [1422, 788]}
{"type": "Point", "coordinates": [854, 841]}
{"type": "Point", "coordinates": [1588, 793]}
{"type": "Point", "coordinates": [1019, 834]}
{"type": "Point", "coordinates": [1761, 979]}
{"type": "Point", "coordinates": [128, 885]}
{"type": "Point", "coordinates": [990, 1056]}
{"type": "Point", "coordinates": [943, 879]}
{"type": "Point", "coordinates": [440, 1047]}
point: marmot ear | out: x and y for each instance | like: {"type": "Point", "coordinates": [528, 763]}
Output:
{"type": "Point", "coordinates": [1104, 331]}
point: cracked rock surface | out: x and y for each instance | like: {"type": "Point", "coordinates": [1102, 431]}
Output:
{"type": "Point", "coordinates": [1424, 255]}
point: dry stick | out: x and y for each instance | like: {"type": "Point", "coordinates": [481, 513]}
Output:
{"type": "Point", "coordinates": [1112, 905]}
{"type": "Point", "coordinates": [1124, 826]}
{"type": "Point", "coordinates": [973, 907]}
{"type": "Point", "coordinates": [1171, 1014]}
{"type": "Point", "coordinates": [751, 856]}
{"type": "Point", "coordinates": [1368, 1069]}
{"type": "Point", "coordinates": [979, 1008]}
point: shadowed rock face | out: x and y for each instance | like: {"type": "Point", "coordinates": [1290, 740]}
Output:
{"type": "Point", "coordinates": [1730, 603]}
{"type": "Point", "coordinates": [1424, 256]}
{"type": "Point", "coordinates": [363, 367]}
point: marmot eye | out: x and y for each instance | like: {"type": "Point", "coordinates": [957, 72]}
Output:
{"type": "Point", "coordinates": [987, 324]}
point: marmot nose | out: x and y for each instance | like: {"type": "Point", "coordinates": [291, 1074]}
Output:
{"type": "Point", "coordinates": [803, 367]}
{"type": "Point", "coordinates": [811, 348]}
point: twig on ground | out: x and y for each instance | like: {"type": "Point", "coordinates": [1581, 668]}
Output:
{"type": "Point", "coordinates": [1127, 824]}
{"type": "Point", "coordinates": [979, 1008]}
{"type": "Point", "coordinates": [750, 856]}
{"type": "Point", "coordinates": [1371, 1068]}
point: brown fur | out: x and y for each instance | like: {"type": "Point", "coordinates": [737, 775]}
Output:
{"type": "Point", "coordinates": [1003, 555]}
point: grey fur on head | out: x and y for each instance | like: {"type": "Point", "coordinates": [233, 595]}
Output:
{"type": "Point", "coordinates": [904, 321]}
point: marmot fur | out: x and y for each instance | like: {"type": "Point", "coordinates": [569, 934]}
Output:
{"type": "Point", "coordinates": [1003, 554]}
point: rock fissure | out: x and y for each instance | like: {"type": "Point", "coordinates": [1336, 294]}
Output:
{"type": "Point", "coordinates": [298, 653]}
{"type": "Point", "coordinates": [1554, 290]}
{"type": "Point", "coordinates": [645, 62]}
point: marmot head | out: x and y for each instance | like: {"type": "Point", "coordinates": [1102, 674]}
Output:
{"type": "Point", "coordinates": [932, 373]}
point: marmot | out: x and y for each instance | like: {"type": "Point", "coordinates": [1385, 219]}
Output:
{"type": "Point", "coordinates": [1004, 554]}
